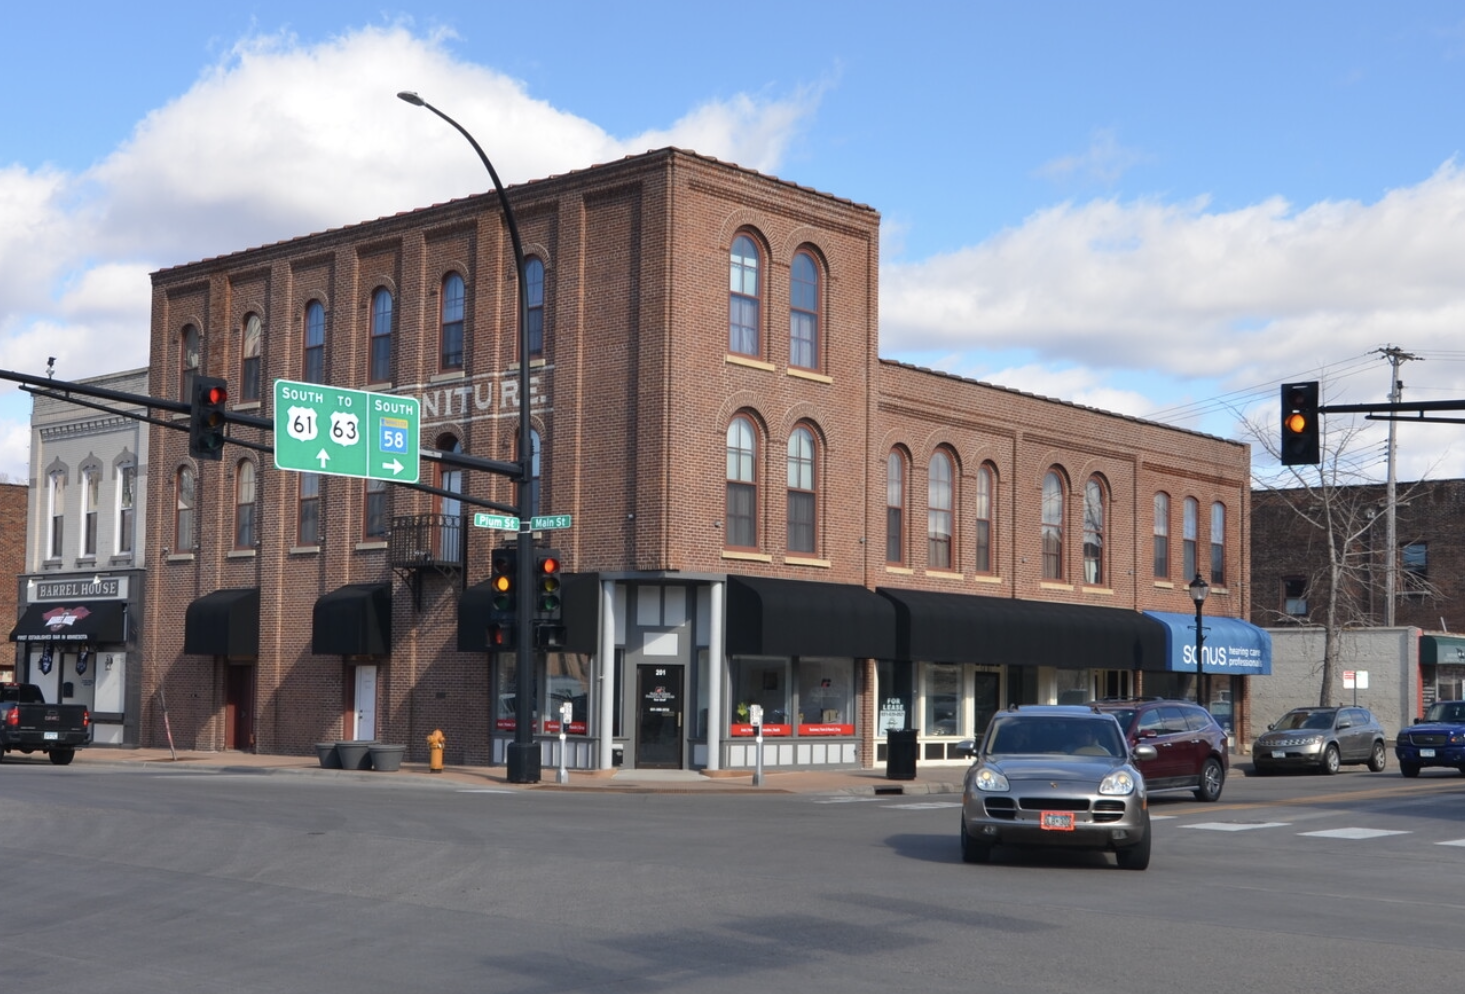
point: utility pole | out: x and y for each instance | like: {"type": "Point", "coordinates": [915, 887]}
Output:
{"type": "Point", "coordinates": [1396, 357]}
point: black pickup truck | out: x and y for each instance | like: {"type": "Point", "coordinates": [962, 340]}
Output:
{"type": "Point", "coordinates": [28, 724]}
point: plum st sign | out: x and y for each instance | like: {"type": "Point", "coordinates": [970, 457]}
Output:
{"type": "Point", "coordinates": [325, 429]}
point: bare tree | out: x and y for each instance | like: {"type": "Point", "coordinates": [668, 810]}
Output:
{"type": "Point", "coordinates": [1339, 504]}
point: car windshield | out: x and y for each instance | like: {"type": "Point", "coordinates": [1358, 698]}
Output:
{"type": "Point", "coordinates": [1305, 719]}
{"type": "Point", "coordinates": [1061, 736]}
{"type": "Point", "coordinates": [1446, 711]}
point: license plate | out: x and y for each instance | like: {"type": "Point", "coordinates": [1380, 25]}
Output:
{"type": "Point", "coordinates": [1057, 821]}
{"type": "Point", "coordinates": [1426, 754]}
{"type": "Point", "coordinates": [52, 735]}
{"type": "Point", "coordinates": [1279, 754]}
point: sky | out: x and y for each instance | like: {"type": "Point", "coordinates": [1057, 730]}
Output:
{"type": "Point", "coordinates": [1163, 210]}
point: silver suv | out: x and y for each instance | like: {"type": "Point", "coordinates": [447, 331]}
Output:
{"type": "Point", "coordinates": [1060, 777]}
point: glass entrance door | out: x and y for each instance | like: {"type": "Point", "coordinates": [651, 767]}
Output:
{"type": "Point", "coordinates": [659, 717]}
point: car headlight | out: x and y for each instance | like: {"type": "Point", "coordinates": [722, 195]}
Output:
{"type": "Point", "coordinates": [1457, 738]}
{"type": "Point", "coordinates": [1118, 782]}
{"type": "Point", "coordinates": [989, 780]}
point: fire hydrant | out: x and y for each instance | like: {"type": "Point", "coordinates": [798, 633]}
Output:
{"type": "Point", "coordinates": [435, 743]}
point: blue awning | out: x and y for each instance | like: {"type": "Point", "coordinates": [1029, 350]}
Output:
{"type": "Point", "coordinates": [1230, 645]}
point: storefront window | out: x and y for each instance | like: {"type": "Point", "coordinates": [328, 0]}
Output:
{"type": "Point", "coordinates": [942, 714]}
{"type": "Point", "coordinates": [826, 697]}
{"type": "Point", "coordinates": [506, 688]}
{"type": "Point", "coordinates": [764, 682]}
{"type": "Point", "coordinates": [569, 681]}
{"type": "Point", "coordinates": [1073, 687]}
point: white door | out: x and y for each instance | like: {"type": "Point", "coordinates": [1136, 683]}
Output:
{"type": "Point", "coordinates": [365, 730]}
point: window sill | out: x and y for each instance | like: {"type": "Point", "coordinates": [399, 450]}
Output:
{"type": "Point", "coordinates": [456, 374]}
{"type": "Point", "coordinates": [373, 387]}
{"type": "Point", "coordinates": [747, 557]}
{"type": "Point", "coordinates": [900, 570]}
{"type": "Point", "coordinates": [86, 562]}
{"type": "Point", "coordinates": [750, 362]}
{"type": "Point", "coordinates": [180, 557]}
{"type": "Point", "coordinates": [370, 546]}
{"type": "Point", "coordinates": [1165, 584]}
{"type": "Point", "coordinates": [809, 374]}
{"type": "Point", "coordinates": [1099, 591]}
{"type": "Point", "coordinates": [241, 554]}
{"type": "Point", "coordinates": [249, 405]}
{"type": "Point", "coordinates": [122, 558]}
{"type": "Point", "coordinates": [1053, 585]}
{"type": "Point", "coordinates": [539, 363]}
{"type": "Point", "coordinates": [986, 578]}
{"type": "Point", "coordinates": [802, 561]}
{"type": "Point", "coordinates": [304, 550]}
{"type": "Point", "coordinates": [941, 574]}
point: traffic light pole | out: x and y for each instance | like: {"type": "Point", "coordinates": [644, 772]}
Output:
{"type": "Point", "coordinates": [523, 753]}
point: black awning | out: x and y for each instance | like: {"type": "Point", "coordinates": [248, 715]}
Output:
{"type": "Point", "coordinates": [354, 620]}
{"type": "Point", "coordinates": [223, 623]}
{"type": "Point", "coordinates": [961, 628]}
{"type": "Point", "coordinates": [579, 613]}
{"type": "Point", "coordinates": [799, 618]}
{"type": "Point", "coordinates": [78, 621]}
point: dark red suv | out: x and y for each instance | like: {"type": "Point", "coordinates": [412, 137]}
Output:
{"type": "Point", "coordinates": [1190, 743]}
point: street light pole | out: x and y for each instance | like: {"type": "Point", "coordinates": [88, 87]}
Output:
{"type": "Point", "coordinates": [1198, 590]}
{"type": "Point", "coordinates": [523, 753]}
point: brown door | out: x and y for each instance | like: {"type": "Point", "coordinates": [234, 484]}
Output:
{"type": "Point", "coordinates": [658, 717]}
{"type": "Point", "coordinates": [239, 708]}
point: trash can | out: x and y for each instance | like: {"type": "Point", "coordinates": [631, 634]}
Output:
{"type": "Point", "coordinates": [900, 755]}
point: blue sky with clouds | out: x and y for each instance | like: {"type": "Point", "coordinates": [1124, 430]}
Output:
{"type": "Point", "coordinates": [1150, 208]}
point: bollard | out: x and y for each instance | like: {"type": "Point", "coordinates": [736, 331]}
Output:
{"type": "Point", "coordinates": [435, 743]}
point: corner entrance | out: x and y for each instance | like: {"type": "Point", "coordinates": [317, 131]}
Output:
{"type": "Point", "coordinates": [659, 717]}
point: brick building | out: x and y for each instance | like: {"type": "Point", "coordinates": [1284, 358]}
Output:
{"type": "Point", "coordinates": [1290, 573]}
{"type": "Point", "coordinates": [81, 587]}
{"type": "Point", "coordinates": [764, 511]}
{"type": "Point", "coordinates": [13, 498]}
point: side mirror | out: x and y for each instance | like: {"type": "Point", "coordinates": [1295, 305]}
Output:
{"type": "Point", "coordinates": [1344, 724]}
{"type": "Point", "coordinates": [1272, 727]}
{"type": "Point", "coordinates": [1418, 721]}
{"type": "Point", "coordinates": [1145, 752]}
{"type": "Point", "coordinates": [967, 748]}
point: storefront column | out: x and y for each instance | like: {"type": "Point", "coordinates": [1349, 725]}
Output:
{"type": "Point", "coordinates": [716, 674]}
{"type": "Point", "coordinates": [606, 672]}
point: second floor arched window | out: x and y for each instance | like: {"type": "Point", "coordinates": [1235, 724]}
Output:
{"type": "Point", "coordinates": [534, 289]}
{"type": "Point", "coordinates": [1218, 544]}
{"type": "Point", "coordinates": [940, 499]}
{"type": "Point", "coordinates": [249, 358]}
{"type": "Point", "coordinates": [380, 356]}
{"type": "Point", "coordinates": [189, 359]}
{"type": "Point", "coordinates": [803, 331]}
{"type": "Point", "coordinates": [313, 368]}
{"type": "Point", "coordinates": [741, 531]}
{"type": "Point", "coordinates": [802, 498]}
{"type": "Point", "coordinates": [244, 505]}
{"type": "Point", "coordinates": [1162, 536]}
{"type": "Point", "coordinates": [744, 321]}
{"type": "Point", "coordinates": [1190, 529]}
{"type": "Point", "coordinates": [183, 495]}
{"type": "Point", "coordinates": [895, 507]}
{"type": "Point", "coordinates": [1052, 526]}
{"type": "Point", "coordinates": [986, 508]}
{"type": "Point", "coordinates": [1093, 532]}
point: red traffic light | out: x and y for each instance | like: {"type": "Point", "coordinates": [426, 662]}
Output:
{"type": "Point", "coordinates": [214, 395]}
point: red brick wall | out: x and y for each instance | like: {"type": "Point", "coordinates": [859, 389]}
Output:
{"type": "Point", "coordinates": [13, 498]}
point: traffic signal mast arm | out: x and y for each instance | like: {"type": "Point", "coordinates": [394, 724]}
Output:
{"type": "Point", "coordinates": [1390, 412]}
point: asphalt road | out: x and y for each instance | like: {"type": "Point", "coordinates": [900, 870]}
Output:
{"type": "Point", "coordinates": [140, 880]}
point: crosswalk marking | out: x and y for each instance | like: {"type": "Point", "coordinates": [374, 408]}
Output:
{"type": "Point", "coordinates": [1452, 842]}
{"type": "Point", "coordinates": [1236, 826]}
{"type": "Point", "coordinates": [1352, 833]}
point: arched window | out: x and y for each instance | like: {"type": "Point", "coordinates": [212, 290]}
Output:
{"type": "Point", "coordinates": [986, 508]}
{"type": "Point", "coordinates": [374, 528]}
{"type": "Point", "coordinates": [313, 369]}
{"type": "Point", "coordinates": [534, 471]}
{"type": "Point", "coordinates": [939, 501]}
{"type": "Point", "coordinates": [742, 484]}
{"type": "Point", "coordinates": [381, 336]}
{"type": "Point", "coordinates": [244, 505]}
{"type": "Point", "coordinates": [803, 331]}
{"type": "Point", "coordinates": [534, 290]}
{"type": "Point", "coordinates": [188, 361]}
{"type": "Point", "coordinates": [895, 507]}
{"type": "Point", "coordinates": [451, 341]}
{"type": "Point", "coordinates": [802, 498]}
{"type": "Point", "coordinates": [744, 321]}
{"type": "Point", "coordinates": [57, 510]}
{"type": "Point", "coordinates": [126, 504]}
{"type": "Point", "coordinates": [91, 497]}
{"type": "Point", "coordinates": [1093, 532]}
{"type": "Point", "coordinates": [249, 352]}
{"type": "Point", "coordinates": [307, 510]}
{"type": "Point", "coordinates": [1189, 529]}
{"type": "Point", "coordinates": [1162, 536]}
{"type": "Point", "coordinates": [1218, 544]}
{"type": "Point", "coordinates": [450, 509]}
{"type": "Point", "coordinates": [1052, 526]}
{"type": "Point", "coordinates": [183, 511]}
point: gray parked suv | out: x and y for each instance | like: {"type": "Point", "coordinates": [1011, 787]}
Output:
{"type": "Point", "coordinates": [1321, 740]}
{"type": "Point", "coordinates": [1060, 777]}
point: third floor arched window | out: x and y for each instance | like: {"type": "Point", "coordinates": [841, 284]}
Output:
{"type": "Point", "coordinates": [450, 355]}
{"type": "Point", "coordinates": [803, 332]}
{"type": "Point", "coordinates": [744, 321]}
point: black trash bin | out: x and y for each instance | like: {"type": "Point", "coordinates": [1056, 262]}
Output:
{"type": "Point", "coordinates": [900, 755]}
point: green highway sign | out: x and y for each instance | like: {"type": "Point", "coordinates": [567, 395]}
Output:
{"type": "Point", "coordinates": [544, 522]}
{"type": "Point", "coordinates": [503, 522]}
{"type": "Point", "coordinates": [325, 429]}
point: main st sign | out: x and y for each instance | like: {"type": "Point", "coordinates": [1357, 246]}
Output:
{"type": "Point", "coordinates": [325, 429]}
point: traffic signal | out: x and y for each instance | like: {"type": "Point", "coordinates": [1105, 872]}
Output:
{"type": "Point", "coordinates": [500, 636]}
{"type": "Point", "coordinates": [1301, 430]}
{"type": "Point", "coordinates": [504, 582]}
{"type": "Point", "coordinates": [206, 418]}
{"type": "Point", "coordinates": [547, 584]}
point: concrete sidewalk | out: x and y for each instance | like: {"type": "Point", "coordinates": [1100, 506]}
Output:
{"type": "Point", "coordinates": [933, 780]}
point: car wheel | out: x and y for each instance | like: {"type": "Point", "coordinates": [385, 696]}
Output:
{"type": "Point", "coordinates": [62, 757]}
{"type": "Point", "coordinates": [1212, 778]}
{"type": "Point", "coordinates": [1410, 770]}
{"type": "Point", "coordinates": [1378, 759]}
{"type": "Point", "coordinates": [1135, 857]}
{"type": "Point", "coordinates": [1331, 761]}
{"type": "Point", "coordinates": [973, 851]}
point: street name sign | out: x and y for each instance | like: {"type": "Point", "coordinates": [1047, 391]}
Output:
{"type": "Point", "coordinates": [339, 432]}
{"type": "Point", "coordinates": [545, 522]}
{"type": "Point", "coordinates": [502, 522]}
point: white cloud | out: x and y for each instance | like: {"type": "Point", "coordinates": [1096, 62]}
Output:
{"type": "Point", "coordinates": [1105, 161]}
